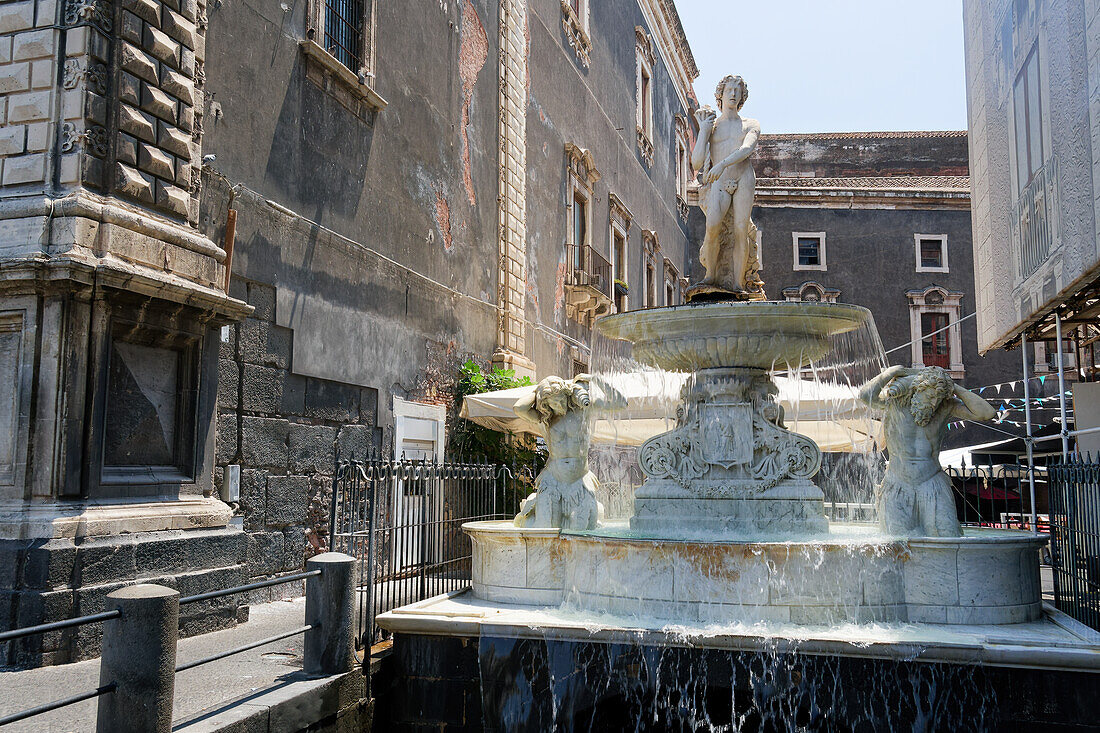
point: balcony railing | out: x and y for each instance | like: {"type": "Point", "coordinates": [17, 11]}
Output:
{"type": "Point", "coordinates": [1034, 218]}
{"type": "Point", "coordinates": [589, 268]}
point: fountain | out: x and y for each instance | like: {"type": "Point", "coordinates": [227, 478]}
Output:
{"type": "Point", "coordinates": [728, 546]}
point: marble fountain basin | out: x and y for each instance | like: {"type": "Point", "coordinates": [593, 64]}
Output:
{"type": "Point", "coordinates": [754, 335]}
{"type": "Point", "coordinates": [853, 575]}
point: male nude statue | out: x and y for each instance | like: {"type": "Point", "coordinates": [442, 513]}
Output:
{"type": "Point", "coordinates": [565, 491]}
{"type": "Point", "coordinates": [915, 497]}
{"type": "Point", "coordinates": [728, 186]}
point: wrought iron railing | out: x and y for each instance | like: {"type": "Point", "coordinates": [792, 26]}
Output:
{"type": "Point", "coordinates": [1075, 538]}
{"type": "Point", "coordinates": [1034, 218]}
{"type": "Point", "coordinates": [402, 522]}
{"type": "Point", "coordinates": [588, 267]}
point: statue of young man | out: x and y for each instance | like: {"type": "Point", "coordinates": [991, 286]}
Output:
{"type": "Point", "coordinates": [728, 186]}
{"type": "Point", "coordinates": [565, 490]}
{"type": "Point", "coordinates": [915, 497]}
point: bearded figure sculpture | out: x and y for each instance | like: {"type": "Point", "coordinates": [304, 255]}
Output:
{"type": "Point", "coordinates": [565, 490]}
{"type": "Point", "coordinates": [915, 497]}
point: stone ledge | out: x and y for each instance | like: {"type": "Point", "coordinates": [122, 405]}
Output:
{"type": "Point", "coordinates": [299, 702]}
{"type": "Point", "coordinates": [33, 520]}
{"type": "Point", "coordinates": [314, 52]}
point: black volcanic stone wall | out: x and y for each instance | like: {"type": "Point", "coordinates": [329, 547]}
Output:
{"type": "Point", "coordinates": [493, 684]}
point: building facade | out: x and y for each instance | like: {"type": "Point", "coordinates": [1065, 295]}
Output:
{"type": "Point", "coordinates": [880, 220]}
{"type": "Point", "coordinates": [1033, 100]}
{"type": "Point", "coordinates": [241, 240]}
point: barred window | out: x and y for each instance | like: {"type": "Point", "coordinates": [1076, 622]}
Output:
{"type": "Point", "coordinates": [344, 31]}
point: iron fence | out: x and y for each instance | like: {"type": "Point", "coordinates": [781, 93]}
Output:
{"type": "Point", "coordinates": [402, 522]}
{"type": "Point", "coordinates": [996, 495]}
{"type": "Point", "coordinates": [1075, 537]}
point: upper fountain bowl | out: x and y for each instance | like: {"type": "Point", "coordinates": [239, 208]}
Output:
{"type": "Point", "coordinates": [756, 335]}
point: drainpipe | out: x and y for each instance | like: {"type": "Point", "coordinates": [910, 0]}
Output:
{"type": "Point", "coordinates": [230, 231]}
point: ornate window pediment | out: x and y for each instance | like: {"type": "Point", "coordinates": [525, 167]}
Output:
{"type": "Point", "coordinates": [582, 165]}
{"type": "Point", "coordinates": [575, 22]}
{"type": "Point", "coordinates": [811, 292]}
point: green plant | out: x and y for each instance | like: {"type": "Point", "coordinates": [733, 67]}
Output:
{"type": "Point", "coordinates": [622, 286]}
{"type": "Point", "coordinates": [472, 442]}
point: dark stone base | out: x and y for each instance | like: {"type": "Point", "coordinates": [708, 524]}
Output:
{"type": "Point", "coordinates": [51, 580]}
{"type": "Point", "coordinates": [493, 684]}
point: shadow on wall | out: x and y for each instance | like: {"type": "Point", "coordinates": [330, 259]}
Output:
{"type": "Point", "coordinates": [319, 151]}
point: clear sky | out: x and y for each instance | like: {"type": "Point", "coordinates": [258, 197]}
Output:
{"type": "Point", "coordinates": [834, 65]}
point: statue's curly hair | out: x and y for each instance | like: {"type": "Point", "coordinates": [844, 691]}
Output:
{"type": "Point", "coordinates": [721, 89]}
{"type": "Point", "coordinates": [930, 388]}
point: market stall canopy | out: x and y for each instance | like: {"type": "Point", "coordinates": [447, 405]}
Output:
{"type": "Point", "coordinates": [830, 414]}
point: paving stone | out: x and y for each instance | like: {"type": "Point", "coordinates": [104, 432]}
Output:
{"type": "Point", "coordinates": [229, 377]}
{"type": "Point", "coordinates": [355, 441]}
{"type": "Point", "coordinates": [253, 497]}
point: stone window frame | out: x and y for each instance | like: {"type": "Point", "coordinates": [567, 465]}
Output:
{"type": "Point", "coordinates": [918, 238]}
{"type": "Point", "coordinates": [645, 61]}
{"type": "Point", "coordinates": [942, 301]}
{"type": "Point", "coordinates": [682, 163]}
{"type": "Point", "coordinates": [577, 30]}
{"type": "Point", "coordinates": [582, 177]}
{"type": "Point", "coordinates": [798, 294]}
{"type": "Point", "coordinates": [671, 278]}
{"type": "Point", "coordinates": [14, 322]}
{"type": "Point", "coordinates": [359, 82]}
{"type": "Point", "coordinates": [619, 221]}
{"type": "Point", "coordinates": [823, 266]}
{"type": "Point", "coordinates": [651, 253]}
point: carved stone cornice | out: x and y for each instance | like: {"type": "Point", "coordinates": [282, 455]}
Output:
{"type": "Point", "coordinates": [619, 212]}
{"type": "Point", "coordinates": [582, 164]}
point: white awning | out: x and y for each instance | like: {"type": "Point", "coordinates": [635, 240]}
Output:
{"type": "Point", "coordinates": [830, 414]}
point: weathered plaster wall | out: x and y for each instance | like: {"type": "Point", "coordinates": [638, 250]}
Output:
{"type": "Point", "coordinates": [593, 108]}
{"type": "Point", "coordinates": [367, 244]}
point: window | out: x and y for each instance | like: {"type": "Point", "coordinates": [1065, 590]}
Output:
{"type": "Point", "coordinates": [931, 252]}
{"type": "Point", "coordinates": [644, 91]}
{"type": "Point", "coordinates": [809, 250]}
{"type": "Point", "coordinates": [935, 310]}
{"type": "Point", "coordinates": [575, 21]}
{"type": "Point", "coordinates": [580, 227]}
{"type": "Point", "coordinates": [671, 278]}
{"type": "Point", "coordinates": [650, 286]}
{"type": "Point", "coordinates": [618, 259]}
{"type": "Point", "coordinates": [934, 349]}
{"type": "Point", "coordinates": [1027, 114]}
{"type": "Point", "coordinates": [344, 31]}
{"type": "Point", "coordinates": [619, 221]}
{"type": "Point", "coordinates": [670, 293]}
{"type": "Point", "coordinates": [683, 166]}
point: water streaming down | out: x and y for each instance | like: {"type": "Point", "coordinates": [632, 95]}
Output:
{"type": "Point", "coordinates": [730, 545]}
{"type": "Point", "coordinates": [819, 400]}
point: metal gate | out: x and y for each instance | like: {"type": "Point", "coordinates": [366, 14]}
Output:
{"type": "Point", "coordinates": [402, 521]}
{"type": "Point", "coordinates": [1075, 538]}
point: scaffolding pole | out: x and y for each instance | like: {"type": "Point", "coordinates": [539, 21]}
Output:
{"type": "Point", "coordinates": [1062, 386]}
{"type": "Point", "coordinates": [1028, 440]}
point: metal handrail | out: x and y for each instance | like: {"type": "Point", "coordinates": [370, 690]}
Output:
{"type": "Point", "coordinates": [251, 586]}
{"type": "Point", "coordinates": [55, 625]}
{"type": "Point", "coordinates": [49, 706]}
{"type": "Point", "coordinates": [245, 647]}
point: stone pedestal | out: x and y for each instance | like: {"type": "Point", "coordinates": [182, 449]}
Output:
{"type": "Point", "coordinates": [729, 466]}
